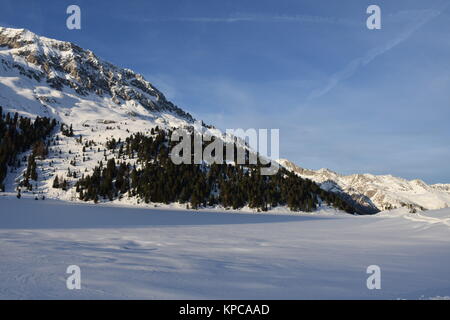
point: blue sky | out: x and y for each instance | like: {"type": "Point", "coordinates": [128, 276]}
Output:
{"type": "Point", "coordinates": [344, 97]}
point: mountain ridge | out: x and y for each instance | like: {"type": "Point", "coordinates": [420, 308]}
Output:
{"type": "Point", "coordinates": [382, 191]}
{"type": "Point", "coordinates": [65, 65]}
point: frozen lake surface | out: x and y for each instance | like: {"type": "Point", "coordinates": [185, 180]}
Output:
{"type": "Point", "coordinates": [136, 253]}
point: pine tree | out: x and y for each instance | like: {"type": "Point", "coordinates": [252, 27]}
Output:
{"type": "Point", "coordinates": [56, 182]}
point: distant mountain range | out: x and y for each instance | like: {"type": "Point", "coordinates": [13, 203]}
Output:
{"type": "Point", "coordinates": [378, 192]}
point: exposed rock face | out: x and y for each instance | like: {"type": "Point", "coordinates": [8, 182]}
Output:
{"type": "Point", "coordinates": [64, 64]}
{"type": "Point", "coordinates": [377, 193]}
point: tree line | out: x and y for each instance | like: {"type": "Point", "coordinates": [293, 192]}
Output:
{"type": "Point", "coordinates": [19, 134]}
{"type": "Point", "coordinates": [142, 168]}
{"type": "Point", "coordinates": [155, 178]}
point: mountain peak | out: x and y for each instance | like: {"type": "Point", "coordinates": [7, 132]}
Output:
{"type": "Point", "coordinates": [18, 35]}
{"type": "Point", "coordinates": [64, 65]}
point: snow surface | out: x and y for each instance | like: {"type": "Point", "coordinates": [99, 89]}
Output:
{"type": "Point", "coordinates": [127, 252]}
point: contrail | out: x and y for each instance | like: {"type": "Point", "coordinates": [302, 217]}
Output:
{"type": "Point", "coordinates": [258, 18]}
{"type": "Point", "coordinates": [354, 65]}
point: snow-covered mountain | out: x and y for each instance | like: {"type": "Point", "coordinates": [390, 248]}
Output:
{"type": "Point", "coordinates": [42, 76]}
{"type": "Point", "coordinates": [56, 79]}
{"type": "Point", "coordinates": [378, 192]}
{"type": "Point", "coordinates": [46, 77]}
{"type": "Point", "coordinates": [99, 101]}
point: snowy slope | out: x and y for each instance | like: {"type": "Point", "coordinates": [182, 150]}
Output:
{"type": "Point", "coordinates": [131, 253]}
{"type": "Point", "coordinates": [384, 192]}
{"type": "Point", "coordinates": [46, 77]}
{"type": "Point", "coordinates": [57, 79]}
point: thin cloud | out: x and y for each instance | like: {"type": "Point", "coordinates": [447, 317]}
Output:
{"type": "Point", "coordinates": [353, 66]}
{"type": "Point", "coordinates": [258, 18]}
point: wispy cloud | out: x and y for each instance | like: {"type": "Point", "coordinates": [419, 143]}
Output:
{"type": "Point", "coordinates": [258, 18]}
{"type": "Point", "coordinates": [353, 66]}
